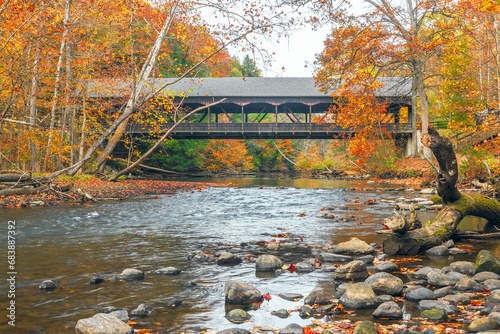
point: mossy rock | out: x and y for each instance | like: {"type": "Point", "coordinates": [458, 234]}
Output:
{"type": "Point", "coordinates": [435, 314]}
{"type": "Point", "coordinates": [486, 261]}
{"type": "Point", "coordinates": [366, 327]}
{"type": "Point", "coordinates": [436, 199]}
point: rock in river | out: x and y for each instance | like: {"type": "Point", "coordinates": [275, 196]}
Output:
{"type": "Point", "coordinates": [226, 258]}
{"type": "Point", "coordinates": [386, 266]}
{"type": "Point", "coordinates": [389, 310]}
{"type": "Point", "coordinates": [354, 270]}
{"type": "Point", "coordinates": [486, 261]}
{"type": "Point", "coordinates": [168, 271]}
{"type": "Point", "coordinates": [359, 296]}
{"type": "Point", "coordinates": [141, 311]}
{"type": "Point", "coordinates": [366, 327]}
{"type": "Point", "coordinates": [331, 257]}
{"type": "Point", "coordinates": [354, 246]}
{"type": "Point", "coordinates": [102, 324]}
{"type": "Point", "coordinates": [131, 274]}
{"type": "Point", "coordinates": [317, 296]}
{"type": "Point", "coordinates": [48, 285]}
{"type": "Point", "coordinates": [241, 293]}
{"type": "Point", "coordinates": [268, 263]}
{"type": "Point", "coordinates": [385, 284]}
{"type": "Point", "coordinates": [292, 329]}
{"type": "Point", "coordinates": [238, 316]}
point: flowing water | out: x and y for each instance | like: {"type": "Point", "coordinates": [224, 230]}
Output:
{"type": "Point", "coordinates": [70, 244]}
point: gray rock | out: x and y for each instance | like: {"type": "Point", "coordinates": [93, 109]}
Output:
{"type": "Point", "coordinates": [385, 284]}
{"type": "Point", "coordinates": [354, 270]}
{"type": "Point", "coordinates": [486, 261]}
{"type": "Point", "coordinates": [437, 251]}
{"type": "Point", "coordinates": [294, 297]}
{"type": "Point", "coordinates": [292, 329]}
{"type": "Point", "coordinates": [317, 296]}
{"type": "Point", "coordinates": [48, 285]}
{"type": "Point", "coordinates": [120, 314]}
{"type": "Point", "coordinates": [468, 284]}
{"type": "Point", "coordinates": [387, 267]}
{"type": "Point", "coordinates": [384, 299]}
{"type": "Point", "coordinates": [226, 258]}
{"type": "Point", "coordinates": [168, 271]}
{"type": "Point", "coordinates": [442, 292]}
{"type": "Point", "coordinates": [365, 327]}
{"type": "Point", "coordinates": [97, 280]}
{"type": "Point", "coordinates": [443, 305]}
{"type": "Point", "coordinates": [303, 267]}
{"type": "Point", "coordinates": [495, 315]}
{"type": "Point", "coordinates": [420, 294]}
{"type": "Point", "coordinates": [455, 251]}
{"type": "Point", "coordinates": [428, 191]}
{"type": "Point", "coordinates": [109, 309]}
{"type": "Point", "coordinates": [238, 316]}
{"type": "Point", "coordinates": [331, 257]}
{"type": "Point", "coordinates": [383, 257]}
{"type": "Point", "coordinates": [494, 296]}
{"type": "Point", "coordinates": [435, 314]}
{"type": "Point", "coordinates": [306, 312]}
{"type": "Point", "coordinates": [354, 246]}
{"type": "Point", "coordinates": [131, 274]}
{"type": "Point", "coordinates": [268, 262]}
{"type": "Point", "coordinates": [423, 273]}
{"type": "Point", "coordinates": [141, 311]}
{"type": "Point", "coordinates": [389, 310]}
{"type": "Point", "coordinates": [202, 258]}
{"type": "Point", "coordinates": [463, 267]}
{"type": "Point", "coordinates": [457, 299]}
{"type": "Point", "coordinates": [339, 291]}
{"type": "Point", "coordinates": [368, 259]}
{"type": "Point", "coordinates": [231, 331]}
{"type": "Point", "coordinates": [438, 279]}
{"type": "Point", "coordinates": [483, 324]}
{"type": "Point", "coordinates": [485, 275]}
{"type": "Point", "coordinates": [241, 293]}
{"type": "Point", "coordinates": [457, 276]}
{"type": "Point", "coordinates": [492, 284]}
{"type": "Point", "coordinates": [102, 324]}
{"type": "Point", "coordinates": [281, 313]}
{"type": "Point", "coordinates": [450, 243]}
{"type": "Point", "coordinates": [359, 296]}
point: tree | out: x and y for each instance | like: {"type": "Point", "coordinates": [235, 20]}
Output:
{"type": "Point", "coordinates": [390, 39]}
{"type": "Point", "coordinates": [249, 68]}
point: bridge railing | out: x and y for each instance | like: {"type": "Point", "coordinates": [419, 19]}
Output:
{"type": "Point", "coordinates": [266, 128]}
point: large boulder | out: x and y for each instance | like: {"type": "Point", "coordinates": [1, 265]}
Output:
{"type": "Point", "coordinates": [268, 262]}
{"type": "Point", "coordinates": [241, 293]}
{"type": "Point", "coordinates": [354, 270]}
{"type": "Point", "coordinates": [317, 296]}
{"type": "Point", "coordinates": [354, 246]}
{"type": "Point", "coordinates": [102, 323]}
{"type": "Point", "coordinates": [486, 261]}
{"type": "Point", "coordinates": [385, 284]}
{"type": "Point", "coordinates": [359, 296]}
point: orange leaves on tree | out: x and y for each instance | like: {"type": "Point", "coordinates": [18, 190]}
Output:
{"type": "Point", "coordinates": [226, 155]}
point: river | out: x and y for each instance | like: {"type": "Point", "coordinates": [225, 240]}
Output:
{"type": "Point", "coordinates": [70, 244]}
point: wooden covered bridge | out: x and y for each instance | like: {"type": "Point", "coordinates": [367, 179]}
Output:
{"type": "Point", "coordinates": [266, 108]}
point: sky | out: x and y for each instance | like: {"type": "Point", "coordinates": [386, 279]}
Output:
{"type": "Point", "coordinates": [296, 54]}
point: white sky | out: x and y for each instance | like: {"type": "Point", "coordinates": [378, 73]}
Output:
{"type": "Point", "coordinates": [296, 54]}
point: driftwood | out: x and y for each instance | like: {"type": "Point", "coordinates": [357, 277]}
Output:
{"type": "Point", "coordinates": [458, 205]}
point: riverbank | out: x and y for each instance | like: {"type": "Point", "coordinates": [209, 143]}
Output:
{"type": "Point", "coordinates": [100, 190]}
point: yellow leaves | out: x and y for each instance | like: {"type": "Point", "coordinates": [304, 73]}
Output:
{"type": "Point", "coordinates": [491, 6]}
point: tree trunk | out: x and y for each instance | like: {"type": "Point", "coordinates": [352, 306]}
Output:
{"type": "Point", "coordinates": [33, 111]}
{"type": "Point", "coordinates": [459, 205]}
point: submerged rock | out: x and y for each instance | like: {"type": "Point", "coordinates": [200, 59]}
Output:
{"type": "Point", "coordinates": [102, 324]}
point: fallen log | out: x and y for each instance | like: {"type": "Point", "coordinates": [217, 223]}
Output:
{"type": "Point", "coordinates": [458, 205]}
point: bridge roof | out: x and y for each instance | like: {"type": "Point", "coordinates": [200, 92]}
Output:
{"type": "Point", "coordinates": [303, 87]}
